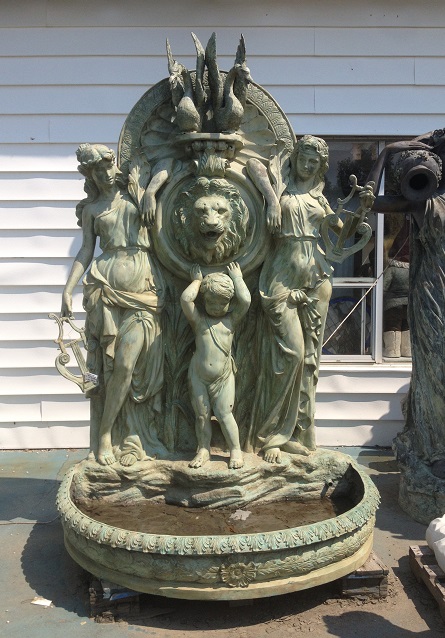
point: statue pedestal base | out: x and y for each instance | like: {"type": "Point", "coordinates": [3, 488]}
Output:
{"type": "Point", "coordinates": [421, 494]}
{"type": "Point", "coordinates": [216, 534]}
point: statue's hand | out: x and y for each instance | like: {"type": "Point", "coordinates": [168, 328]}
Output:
{"type": "Point", "coordinates": [67, 305]}
{"type": "Point", "coordinates": [234, 271]}
{"type": "Point", "coordinates": [298, 297]}
{"type": "Point", "coordinates": [195, 273]}
{"type": "Point", "coordinates": [273, 217]}
{"type": "Point", "coordinates": [149, 208]}
{"type": "Point", "coordinates": [367, 197]}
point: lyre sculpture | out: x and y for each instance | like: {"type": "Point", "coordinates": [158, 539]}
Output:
{"type": "Point", "coordinates": [86, 380]}
{"type": "Point", "coordinates": [336, 251]}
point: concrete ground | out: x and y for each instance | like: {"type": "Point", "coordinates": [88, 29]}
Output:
{"type": "Point", "coordinates": [34, 563]}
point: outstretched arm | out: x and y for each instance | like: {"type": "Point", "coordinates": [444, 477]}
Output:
{"type": "Point", "coordinates": [242, 294]}
{"type": "Point", "coordinates": [258, 174]}
{"type": "Point", "coordinates": [376, 173]}
{"type": "Point", "coordinates": [394, 203]}
{"type": "Point", "coordinates": [81, 262]}
{"type": "Point", "coordinates": [189, 295]}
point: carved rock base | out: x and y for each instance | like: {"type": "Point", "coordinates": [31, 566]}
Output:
{"type": "Point", "coordinates": [220, 567]}
{"type": "Point", "coordinates": [421, 494]}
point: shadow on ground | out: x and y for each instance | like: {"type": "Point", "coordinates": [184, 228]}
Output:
{"type": "Point", "coordinates": [30, 524]}
{"type": "Point", "coordinates": [368, 625]}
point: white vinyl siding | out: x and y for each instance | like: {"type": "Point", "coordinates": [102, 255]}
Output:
{"type": "Point", "coordinates": [71, 72]}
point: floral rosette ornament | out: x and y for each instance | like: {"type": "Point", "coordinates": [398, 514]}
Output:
{"type": "Point", "coordinates": [238, 574]}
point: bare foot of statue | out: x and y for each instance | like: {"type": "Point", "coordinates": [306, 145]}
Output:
{"type": "Point", "coordinates": [128, 459]}
{"type": "Point", "coordinates": [272, 455]}
{"type": "Point", "coordinates": [294, 447]}
{"type": "Point", "coordinates": [236, 460]}
{"type": "Point", "coordinates": [201, 458]}
{"type": "Point", "coordinates": [105, 454]}
{"type": "Point", "coordinates": [106, 458]}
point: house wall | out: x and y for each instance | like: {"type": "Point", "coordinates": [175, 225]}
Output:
{"type": "Point", "coordinates": [71, 71]}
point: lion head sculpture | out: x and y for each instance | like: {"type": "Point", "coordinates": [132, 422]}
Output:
{"type": "Point", "coordinates": [210, 220]}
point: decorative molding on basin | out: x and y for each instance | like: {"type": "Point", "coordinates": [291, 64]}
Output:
{"type": "Point", "coordinates": [115, 537]}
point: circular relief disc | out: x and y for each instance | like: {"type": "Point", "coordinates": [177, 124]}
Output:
{"type": "Point", "coordinates": [171, 254]}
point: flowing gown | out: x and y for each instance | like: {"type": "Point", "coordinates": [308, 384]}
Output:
{"type": "Point", "coordinates": [123, 288]}
{"type": "Point", "coordinates": [290, 345]}
{"type": "Point", "coordinates": [426, 410]}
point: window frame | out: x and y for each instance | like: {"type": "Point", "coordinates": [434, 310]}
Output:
{"type": "Point", "coordinates": [375, 285]}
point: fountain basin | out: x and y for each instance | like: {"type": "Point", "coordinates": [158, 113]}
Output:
{"type": "Point", "coordinates": [221, 566]}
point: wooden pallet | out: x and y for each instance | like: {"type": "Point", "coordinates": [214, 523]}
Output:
{"type": "Point", "coordinates": [109, 602]}
{"type": "Point", "coordinates": [369, 581]}
{"type": "Point", "coordinates": [424, 566]}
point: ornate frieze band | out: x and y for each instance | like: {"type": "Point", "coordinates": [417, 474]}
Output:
{"type": "Point", "coordinates": [105, 534]}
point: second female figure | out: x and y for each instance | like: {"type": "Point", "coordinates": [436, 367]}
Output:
{"type": "Point", "coordinates": [295, 288]}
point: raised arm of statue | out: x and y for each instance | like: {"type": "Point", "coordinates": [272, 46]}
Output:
{"type": "Point", "coordinates": [161, 174]}
{"type": "Point", "coordinates": [189, 295]}
{"type": "Point", "coordinates": [259, 175]}
{"type": "Point", "coordinates": [242, 297]}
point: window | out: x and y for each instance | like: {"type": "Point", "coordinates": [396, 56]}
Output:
{"type": "Point", "coordinates": [367, 313]}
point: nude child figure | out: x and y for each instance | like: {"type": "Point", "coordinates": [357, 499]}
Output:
{"type": "Point", "coordinates": [211, 372]}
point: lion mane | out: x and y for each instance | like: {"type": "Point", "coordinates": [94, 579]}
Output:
{"type": "Point", "coordinates": [186, 221]}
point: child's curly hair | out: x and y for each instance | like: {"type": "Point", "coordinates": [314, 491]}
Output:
{"type": "Point", "coordinates": [219, 284]}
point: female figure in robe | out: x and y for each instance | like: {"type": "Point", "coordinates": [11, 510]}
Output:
{"type": "Point", "coordinates": [123, 299]}
{"type": "Point", "coordinates": [295, 288]}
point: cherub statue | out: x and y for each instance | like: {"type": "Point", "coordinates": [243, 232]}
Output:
{"type": "Point", "coordinates": [211, 372]}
